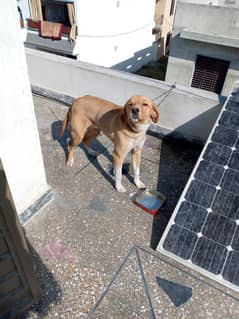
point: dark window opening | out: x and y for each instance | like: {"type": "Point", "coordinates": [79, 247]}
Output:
{"type": "Point", "coordinates": [20, 17]}
{"type": "Point", "coordinates": [172, 7]}
{"type": "Point", "coordinates": [167, 43]}
{"type": "Point", "coordinates": [55, 12]}
{"type": "Point", "coordinates": [210, 74]}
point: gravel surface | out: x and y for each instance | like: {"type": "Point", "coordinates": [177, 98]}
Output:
{"type": "Point", "coordinates": [83, 236]}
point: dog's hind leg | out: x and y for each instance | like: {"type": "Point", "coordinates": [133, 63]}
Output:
{"type": "Point", "coordinates": [78, 130]}
{"type": "Point", "coordinates": [90, 135]}
{"type": "Point", "coordinates": [76, 140]}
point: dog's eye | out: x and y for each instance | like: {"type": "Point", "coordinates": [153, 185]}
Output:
{"type": "Point", "coordinates": [145, 104]}
{"type": "Point", "coordinates": [130, 104]}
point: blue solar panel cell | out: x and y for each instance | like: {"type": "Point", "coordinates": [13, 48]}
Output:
{"type": "Point", "coordinates": [237, 145]}
{"type": "Point", "coordinates": [226, 204]}
{"type": "Point", "coordinates": [232, 105]}
{"type": "Point", "coordinates": [231, 270]}
{"type": "Point", "coordinates": [230, 181]}
{"type": "Point", "coordinates": [224, 136]}
{"type": "Point", "coordinates": [235, 243]}
{"type": "Point", "coordinates": [230, 120]}
{"type": "Point", "coordinates": [200, 194]}
{"type": "Point", "coordinates": [234, 161]}
{"type": "Point", "coordinates": [209, 255]}
{"type": "Point", "coordinates": [217, 153]}
{"type": "Point", "coordinates": [219, 229]}
{"type": "Point", "coordinates": [191, 216]}
{"type": "Point", "coordinates": [209, 173]}
{"type": "Point", "coordinates": [180, 241]}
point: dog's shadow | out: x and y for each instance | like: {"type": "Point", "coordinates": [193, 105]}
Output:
{"type": "Point", "coordinates": [97, 146]}
{"type": "Point", "coordinates": [64, 140]}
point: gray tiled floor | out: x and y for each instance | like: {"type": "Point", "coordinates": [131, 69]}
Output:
{"type": "Point", "coordinates": [82, 237]}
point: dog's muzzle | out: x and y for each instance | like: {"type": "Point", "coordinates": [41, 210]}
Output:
{"type": "Point", "coordinates": [135, 113]}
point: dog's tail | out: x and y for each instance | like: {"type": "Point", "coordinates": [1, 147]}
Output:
{"type": "Point", "coordinates": [65, 123]}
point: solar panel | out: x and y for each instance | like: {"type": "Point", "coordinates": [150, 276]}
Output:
{"type": "Point", "coordinates": [203, 231]}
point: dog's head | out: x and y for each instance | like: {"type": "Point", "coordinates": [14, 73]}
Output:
{"type": "Point", "coordinates": [140, 109]}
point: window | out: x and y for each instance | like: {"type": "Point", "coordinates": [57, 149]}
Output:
{"type": "Point", "coordinates": [55, 12]}
{"type": "Point", "coordinates": [172, 7]}
{"type": "Point", "coordinates": [210, 74]}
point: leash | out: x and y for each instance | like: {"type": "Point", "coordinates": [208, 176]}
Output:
{"type": "Point", "coordinates": [165, 94]}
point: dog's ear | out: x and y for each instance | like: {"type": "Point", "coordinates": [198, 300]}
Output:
{"type": "Point", "coordinates": [154, 113]}
{"type": "Point", "coordinates": [125, 107]}
{"type": "Point", "coordinates": [124, 112]}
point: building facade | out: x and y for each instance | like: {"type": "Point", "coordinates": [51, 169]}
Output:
{"type": "Point", "coordinates": [204, 49]}
{"type": "Point", "coordinates": [164, 18]}
{"type": "Point", "coordinates": [110, 33]}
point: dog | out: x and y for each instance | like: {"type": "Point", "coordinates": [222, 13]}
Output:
{"type": "Point", "coordinates": [125, 126]}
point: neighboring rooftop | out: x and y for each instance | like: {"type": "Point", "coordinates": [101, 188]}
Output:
{"type": "Point", "coordinates": [93, 246]}
{"type": "Point", "coordinates": [205, 55]}
{"type": "Point", "coordinates": [219, 3]}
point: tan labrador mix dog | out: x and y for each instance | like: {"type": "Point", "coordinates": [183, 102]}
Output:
{"type": "Point", "coordinates": [124, 126]}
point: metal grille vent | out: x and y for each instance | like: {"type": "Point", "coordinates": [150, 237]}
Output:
{"type": "Point", "coordinates": [209, 74]}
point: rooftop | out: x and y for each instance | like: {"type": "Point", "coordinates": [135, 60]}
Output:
{"type": "Point", "coordinates": [94, 250]}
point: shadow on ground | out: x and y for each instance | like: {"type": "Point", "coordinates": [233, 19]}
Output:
{"type": "Point", "coordinates": [33, 279]}
{"type": "Point", "coordinates": [172, 177]}
{"type": "Point", "coordinates": [50, 291]}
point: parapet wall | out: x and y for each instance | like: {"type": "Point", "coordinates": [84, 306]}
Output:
{"type": "Point", "coordinates": [184, 112]}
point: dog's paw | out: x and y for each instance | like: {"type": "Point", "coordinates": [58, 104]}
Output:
{"type": "Point", "coordinates": [70, 162]}
{"type": "Point", "coordinates": [120, 188]}
{"type": "Point", "coordinates": [139, 184]}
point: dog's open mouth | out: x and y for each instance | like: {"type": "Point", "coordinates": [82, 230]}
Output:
{"type": "Point", "coordinates": [134, 118]}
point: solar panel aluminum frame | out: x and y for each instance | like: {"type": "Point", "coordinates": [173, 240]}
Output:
{"type": "Point", "coordinates": [160, 248]}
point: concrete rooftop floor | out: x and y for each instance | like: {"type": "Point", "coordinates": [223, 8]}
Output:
{"type": "Point", "coordinates": [94, 250]}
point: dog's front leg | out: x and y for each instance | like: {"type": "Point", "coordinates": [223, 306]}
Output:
{"type": "Point", "coordinates": [118, 164]}
{"type": "Point", "coordinates": [136, 158]}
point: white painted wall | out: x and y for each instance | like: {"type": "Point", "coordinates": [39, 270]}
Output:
{"type": "Point", "coordinates": [111, 31]}
{"type": "Point", "coordinates": [19, 141]}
